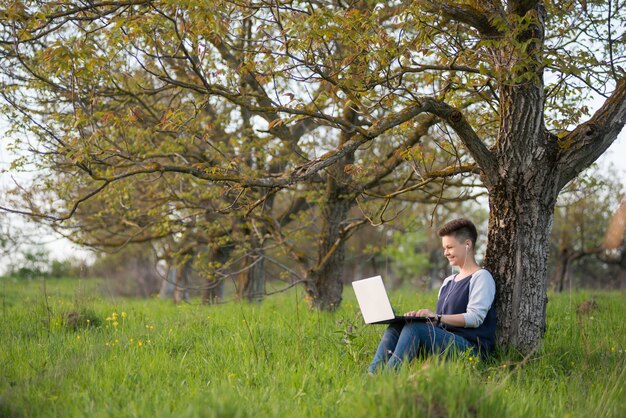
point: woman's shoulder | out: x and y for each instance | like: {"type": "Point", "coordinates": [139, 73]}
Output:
{"type": "Point", "coordinates": [482, 274]}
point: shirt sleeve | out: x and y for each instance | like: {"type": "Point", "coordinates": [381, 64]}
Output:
{"type": "Point", "coordinates": [482, 291]}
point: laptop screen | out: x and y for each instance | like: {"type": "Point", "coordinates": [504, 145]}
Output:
{"type": "Point", "coordinates": [373, 299]}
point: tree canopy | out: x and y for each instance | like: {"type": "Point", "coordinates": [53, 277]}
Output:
{"type": "Point", "coordinates": [177, 112]}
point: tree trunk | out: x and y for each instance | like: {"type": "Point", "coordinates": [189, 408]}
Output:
{"type": "Point", "coordinates": [167, 283]}
{"type": "Point", "coordinates": [561, 271]}
{"type": "Point", "coordinates": [181, 291]}
{"type": "Point", "coordinates": [213, 292]}
{"type": "Point", "coordinates": [214, 289]}
{"type": "Point", "coordinates": [324, 285]}
{"type": "Point", "coordinates": [517, 255]}
{"type": "Point", "coordinates": [522, 201]}
{"type": "Point", "coordinates": [252, 280]}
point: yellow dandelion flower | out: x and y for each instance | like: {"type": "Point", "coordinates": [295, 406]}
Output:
{"type": "Point", "coordinates": [139, 343]}
{"type": "Point", "coordinates": [131, 340]}
{"type": "Point", "coordinates": [123, 314]}
{"type": "Point", "coordinates": [117, 341]}
{"type": "Point", "coordinates": [151, 326]}
{"type": "Point", "coordinates": [115, 323]}
{"type": "Point", "coordinates": [78, 337]}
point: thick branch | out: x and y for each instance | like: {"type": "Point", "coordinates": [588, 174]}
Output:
{"type": "Point", "coordinates": [462, 13]}
{"type": "Point", "coordinates": [477, 148]}
{"type": "Point", "coordinates": [521, 7]}
{"type": "Point", "coordinates": [588, 141]}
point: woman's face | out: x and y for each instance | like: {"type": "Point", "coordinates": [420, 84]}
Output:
{"type": "Point", "coordinates": [454, 250]}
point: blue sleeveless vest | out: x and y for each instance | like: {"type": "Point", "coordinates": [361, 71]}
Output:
{"type": "Point", "coordinates": [453, 299]}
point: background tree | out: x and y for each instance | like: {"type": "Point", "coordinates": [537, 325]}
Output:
{"type": "Point", "coordinates": [615, 243]}
{"type": "Point", "coordinates": [339, 95]}
{"type": "Point", "coordinates": [156, 104]}
{"type": "Point", "coordinates": [581, 222]}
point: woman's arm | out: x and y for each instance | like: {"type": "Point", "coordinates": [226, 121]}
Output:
{"type": "Point", "coordinates": [456, 320]}
{"type": "Point", "coordinates": [482, 292]}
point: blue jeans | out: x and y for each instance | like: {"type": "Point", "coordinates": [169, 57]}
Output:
{"type": "Point", "coordinates": [403, 341]}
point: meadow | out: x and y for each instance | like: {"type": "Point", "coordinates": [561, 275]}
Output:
{"type": "Point", "coordinates": [68, 350]}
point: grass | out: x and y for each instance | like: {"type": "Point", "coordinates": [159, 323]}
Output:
{"type": "Point", "coordinates": [69, 352]}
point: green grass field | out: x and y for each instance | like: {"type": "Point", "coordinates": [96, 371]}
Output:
{"type": "Point", "coordinates": [71, 352]}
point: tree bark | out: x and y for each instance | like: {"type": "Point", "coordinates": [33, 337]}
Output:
{"type": "Point", "coordinates": [181, 291]}
{"type": "Point", "coordinates": [522, 200]}
{"type": "Point", "coordinates": [532, 169]}
{"type": "Point", "coordinates": [562, 270]}
{"type": "Point", "coordinates": [167, 283]}
{"type": "Point", "coordinates": [252, 280]}
{"type": "Point", "coordinates": [325, 282]}
{"type": "Point", "coordinates": [214, 288]}
{"type": "Point", "coordinates": [517, 255]}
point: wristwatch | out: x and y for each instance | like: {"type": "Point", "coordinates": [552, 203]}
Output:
{"type": "Point", "coordinates": [438, 319]}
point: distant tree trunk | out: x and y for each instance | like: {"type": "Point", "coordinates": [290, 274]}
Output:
{"type": "Point", "coordinates": [181, 291]}
{"type": "Point", "coordinates": [168, 283]}
{"type": "Point", "coordinates": [252, 280]}
{"type": "Point", "coordinates": [213, 292]}
{"type": "Point", "coordinates": [562, 270]}
{"type": "Point", "coordinates": [214, 289]}
{"type": "Point", "coordinates": [566, 258]}
{"type": "Point", "coordinates": [145, 275]}
{"type": "Point", "coordinates": [324, 285]}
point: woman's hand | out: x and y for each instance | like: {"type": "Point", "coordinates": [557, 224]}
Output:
{"type": "Point", "coordinates": [424, 313]}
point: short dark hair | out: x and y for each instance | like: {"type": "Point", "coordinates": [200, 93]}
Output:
{"type": "Point", "coordinates": [460, 229]}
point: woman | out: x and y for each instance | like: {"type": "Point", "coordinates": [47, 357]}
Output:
{"type": "Point", "coordinates": [465, 318]}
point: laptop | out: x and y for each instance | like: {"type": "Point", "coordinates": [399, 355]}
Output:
{"type": "Point", "coordinates": [374, 303]}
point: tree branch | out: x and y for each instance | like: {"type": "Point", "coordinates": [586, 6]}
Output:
{"type": "Point", "coordinates": [462, 13]}
{"type": "Point", "coordinates": [521, 7]}
{"type": "Point", "coordinates": [589, 140]}
{"type": "Point", "coordinates": [477, 148]}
